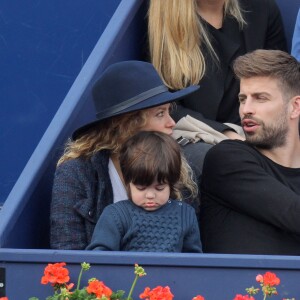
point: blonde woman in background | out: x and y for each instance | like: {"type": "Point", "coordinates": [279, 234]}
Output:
{"type": "Point", "coordinates": [196, 41]}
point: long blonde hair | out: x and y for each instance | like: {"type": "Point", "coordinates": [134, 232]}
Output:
{"type": "Point", "coordinates": [176, 38]}
{"type": "Point", "coordinates": [110, 134]}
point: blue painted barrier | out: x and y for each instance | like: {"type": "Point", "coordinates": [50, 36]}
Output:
{"type": "Point", "coordinates": [212, 276]}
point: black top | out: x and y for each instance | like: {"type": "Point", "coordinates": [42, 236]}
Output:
{"type": "Point", "coordinates": [249, 205]}
{"type": "Point", "coordinates": [216, 101]}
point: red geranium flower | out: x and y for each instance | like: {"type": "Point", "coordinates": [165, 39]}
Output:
{"type": "Point", "coordinates": [55, 274]}
{"type": "Point", "coordinates": [270, 279]}
{"type": "Point", "coordinates": [158, 293]}
{"type": "Point", "coordinates": [99, 289]}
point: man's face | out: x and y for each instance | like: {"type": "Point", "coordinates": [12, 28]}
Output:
{"type": "Point", "coordinates": [263, 112]}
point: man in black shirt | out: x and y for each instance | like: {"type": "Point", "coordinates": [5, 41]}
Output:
{"type": "Point", "coordinates": [251, 190]}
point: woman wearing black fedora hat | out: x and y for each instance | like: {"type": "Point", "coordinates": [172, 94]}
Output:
{"type": "Point", "coordinates": [128, 97]}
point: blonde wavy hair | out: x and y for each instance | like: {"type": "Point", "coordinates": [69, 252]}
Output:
{"type": "Point", "coordinates": [110, 134]}
{"type": "Point", "coordinates": [176, 38]}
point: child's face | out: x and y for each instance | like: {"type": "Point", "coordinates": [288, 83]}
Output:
{"type": "Point", "coordinates": [150, 197]}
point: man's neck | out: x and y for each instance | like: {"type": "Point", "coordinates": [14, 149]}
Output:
{"type": "Point", "coordinates": [287, 156]}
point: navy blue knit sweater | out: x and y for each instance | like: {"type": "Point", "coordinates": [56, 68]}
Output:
{"type": "Point", "coordinates": [127, 227]}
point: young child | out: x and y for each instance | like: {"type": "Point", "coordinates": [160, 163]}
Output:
{"type": "Point", "coordinates": [151, 221]}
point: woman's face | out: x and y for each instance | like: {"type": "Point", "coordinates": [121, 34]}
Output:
{"type": "Point", "coordinates": [159, 119]}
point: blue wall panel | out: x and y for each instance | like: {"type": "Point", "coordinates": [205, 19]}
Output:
{"type": "Point", "coordinates": [43, 46]}
{"type": "Point", "coordinates": [25, 214]}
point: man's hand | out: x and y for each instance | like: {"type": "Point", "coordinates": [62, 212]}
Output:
{"type": "Point", "coordinates": [233, 135]}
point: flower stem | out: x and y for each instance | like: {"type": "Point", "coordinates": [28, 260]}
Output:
{"type": "Point", "coordinates": [132, 287]}
{"type": "Point", "coordinates": [79, 278]}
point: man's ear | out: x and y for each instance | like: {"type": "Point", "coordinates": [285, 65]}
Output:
{"type": "Point", "coordinates": [295, 102]}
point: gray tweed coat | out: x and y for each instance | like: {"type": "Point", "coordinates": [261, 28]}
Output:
{"type": "Point", "coordinates": [81, 190]}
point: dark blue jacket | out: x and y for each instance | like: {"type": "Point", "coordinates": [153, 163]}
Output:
{"type": "Point", "coordinates": [123, 226]}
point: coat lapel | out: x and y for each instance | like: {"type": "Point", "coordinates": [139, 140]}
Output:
{"type": "Point", "coordinates": [252, 39]}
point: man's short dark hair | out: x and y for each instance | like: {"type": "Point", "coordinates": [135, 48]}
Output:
{"type": "Point", "coordinates": [275, 64]}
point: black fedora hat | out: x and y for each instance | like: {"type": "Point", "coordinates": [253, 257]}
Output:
{"type": "Point", "coordinates": [129, 86]}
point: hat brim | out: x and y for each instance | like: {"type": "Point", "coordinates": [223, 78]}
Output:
{"type": "Point", "coordinates": [163, 98]}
